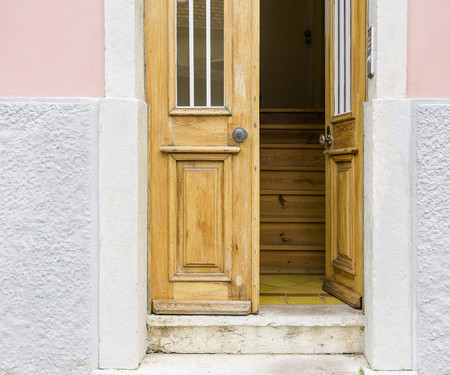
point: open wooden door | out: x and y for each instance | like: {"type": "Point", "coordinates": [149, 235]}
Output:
{"type": "Point", "coordinates": [345, 40]}
{"type": "Point", "coordinates": [202, 85]}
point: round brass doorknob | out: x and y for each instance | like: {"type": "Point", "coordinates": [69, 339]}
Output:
{"type": "Point", "coordinates": [240, 134]}
{"type": "Point", "coordinates": [328, 140]}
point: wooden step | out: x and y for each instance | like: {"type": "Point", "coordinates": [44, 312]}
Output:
{"type": "Point", "coordinates": [290, 136]}
{"type": "Point", "coordinates": [291, 168]}
{"type": "Point", "coordinates": [292, 192]}
{"type": "Point", "coordinates": [293, 157]}
{"type": "Point", "coordinates": [299, 234]}
{"type": "Point", "coordinates": [291, 116]}
{"type": "Point", "coordinates": [292, 208]}
{"type": "Point", "coordinates": [292, 219]}
{"type": "Point", "coordinates": [290, 180]}
{"type": "Point", "coordinates": [312, 126]}
{"type": "Point", "coordinates": [290, 145]}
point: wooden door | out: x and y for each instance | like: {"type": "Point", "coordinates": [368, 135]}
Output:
{"type": "Point", "coordinates": [202, 83]}
{"type": "Point", "coordinates": [345, 40]}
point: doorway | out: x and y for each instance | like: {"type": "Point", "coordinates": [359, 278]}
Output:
{"type": "Point", "coordinates": [206, 240]}
{"type": "Point", "coordinates": [292, 196]}
{"type": "Point", "coordinates": [312, 81]}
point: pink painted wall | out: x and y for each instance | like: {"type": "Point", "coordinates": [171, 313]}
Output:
{"type": "Point", "coordinates": [52, 48]}
{"type": "Point", "coordinates": [428, 49]}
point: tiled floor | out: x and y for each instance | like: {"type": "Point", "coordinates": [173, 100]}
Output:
{"type": "Point", "coordinates": [294, 290]}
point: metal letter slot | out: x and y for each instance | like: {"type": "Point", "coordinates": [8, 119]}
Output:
{"type": "Point", "coordinates": [240, 134]}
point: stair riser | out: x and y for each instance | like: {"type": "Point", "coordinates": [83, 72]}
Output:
{"type": "Point", "coordinates": [255, 339]}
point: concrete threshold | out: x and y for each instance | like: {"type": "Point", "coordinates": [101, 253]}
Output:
{"type": "Point", "coordinates": [250, 364]}
{"type": "Point", "coordinates": [275, 330]}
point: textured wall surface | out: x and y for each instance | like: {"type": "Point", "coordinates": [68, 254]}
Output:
{"type": "Point", "coordinates": [48, 237]}
{"type": "Point", "coordinates": [432, 121]}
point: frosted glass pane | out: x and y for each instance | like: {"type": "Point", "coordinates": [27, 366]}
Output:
{"type": "Point", "coordinates": [200, 53]}
{"type": "Point", "coordinates": [183, 53]}
{"type": "Point", "coordinates": [217, 53]}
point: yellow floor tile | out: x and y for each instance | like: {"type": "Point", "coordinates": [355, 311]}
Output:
{"type": "Point", "coordinates": [264, 288]}
{"type": "Point", "coordinates": [297, 279]}
{"type": "Point", "coordinates": [303, 288]}
{"type": "Point", "coordinates": [305, 300]}
{"type": "Point", "coordinates": [315, 283]}
{"type": "Point", "coordinates": [277, 281]}
{"type": "Point", "coordinates": [272, 300]}
{"type": "Point", "coordinates": [330, 300]}
{"type": "Point", "coordinates": [294, 286]}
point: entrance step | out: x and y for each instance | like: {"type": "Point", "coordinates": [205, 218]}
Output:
{"type": "Point", "coordinates": [275, 330]}
{"type": "Point", "coordinates": [250, 364]}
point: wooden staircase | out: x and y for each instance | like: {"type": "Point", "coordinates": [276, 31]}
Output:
{"type": "Point", "coordinates": [292, 191]}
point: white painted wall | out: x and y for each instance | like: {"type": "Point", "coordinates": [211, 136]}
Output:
{"type": "Point", "coordinates": [123, 232]}
{"type": "Point", "coordinates": [48, 236]}
{"type": "Point", "coordinates": [432, 236]}
{"type": "Point", "coordinates": [123, 190]}
{"type": "Point", "coordinates": [388, 194]}
{"type": "Point", "coordinates": [387, 234]}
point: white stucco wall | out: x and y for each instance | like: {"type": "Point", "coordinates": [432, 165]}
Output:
{"type": "Point", "coordinates": [123, 190]}
{"type": "Point", "coordinates": [387, 234]}
{"type": "Point", "coordinates": [432, 236]}
{"type": "Point", "coordinates": [388, 192]}
{"type": "Point", "coordinates": [48, 236]}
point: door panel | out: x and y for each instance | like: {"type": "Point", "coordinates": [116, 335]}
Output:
{"type": "Point", "coordinates": [200, 228]}
{"type": "Point", "coordinates": [345, 92]}
{"type": "Point", "coordinates": [202, 82]}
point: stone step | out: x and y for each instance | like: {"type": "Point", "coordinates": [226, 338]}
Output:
{"type": "Point", "coordinates": [275, 330]}
{"type": "Point", "coordinates": [250, 364]}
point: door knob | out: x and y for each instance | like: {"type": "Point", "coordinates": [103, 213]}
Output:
{"type": "Point", "coordinates": [328, 139]}
{"type": "Point", "coordinates": [240, 134]}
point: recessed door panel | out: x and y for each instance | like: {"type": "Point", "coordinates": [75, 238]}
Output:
{"type": "Point", "coordinates": [343, 193]}
{"type": "Point", "coordinates": [200, 195]}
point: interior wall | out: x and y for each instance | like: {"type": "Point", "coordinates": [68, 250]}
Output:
{"type": "Point", "coordinates": [292, 64]}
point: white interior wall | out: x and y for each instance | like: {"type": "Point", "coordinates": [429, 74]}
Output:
{"type": "Point", "coordinates": [288, 67]}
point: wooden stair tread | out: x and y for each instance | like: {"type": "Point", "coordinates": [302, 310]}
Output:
{"type": "Point", "coordinates": [291, 192]}
{"type": "Point", "coordinates": [287, 167]}
{"type": "Point", "coordinates": [292, 247]}
{"type": "Point", "coordinates": [291, 145]}
{"type": "Point", "coordinates": [291, 219]}
{"type": "Point", "coordinates": [312, 126]}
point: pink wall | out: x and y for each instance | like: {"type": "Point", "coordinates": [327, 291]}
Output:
{"type": "Point", "coordinates": [428, 48]}
{"type": "Point", "coordinates": [51, 48]}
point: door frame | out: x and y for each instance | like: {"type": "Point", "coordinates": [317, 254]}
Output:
{"type": "Point", "coordinates": [123, 281]}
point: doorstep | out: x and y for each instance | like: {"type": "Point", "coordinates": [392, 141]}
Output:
{"type": "Point", "coordinates": [249, 364]}
{"type": "Point", "coordinates": [275, 330]}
